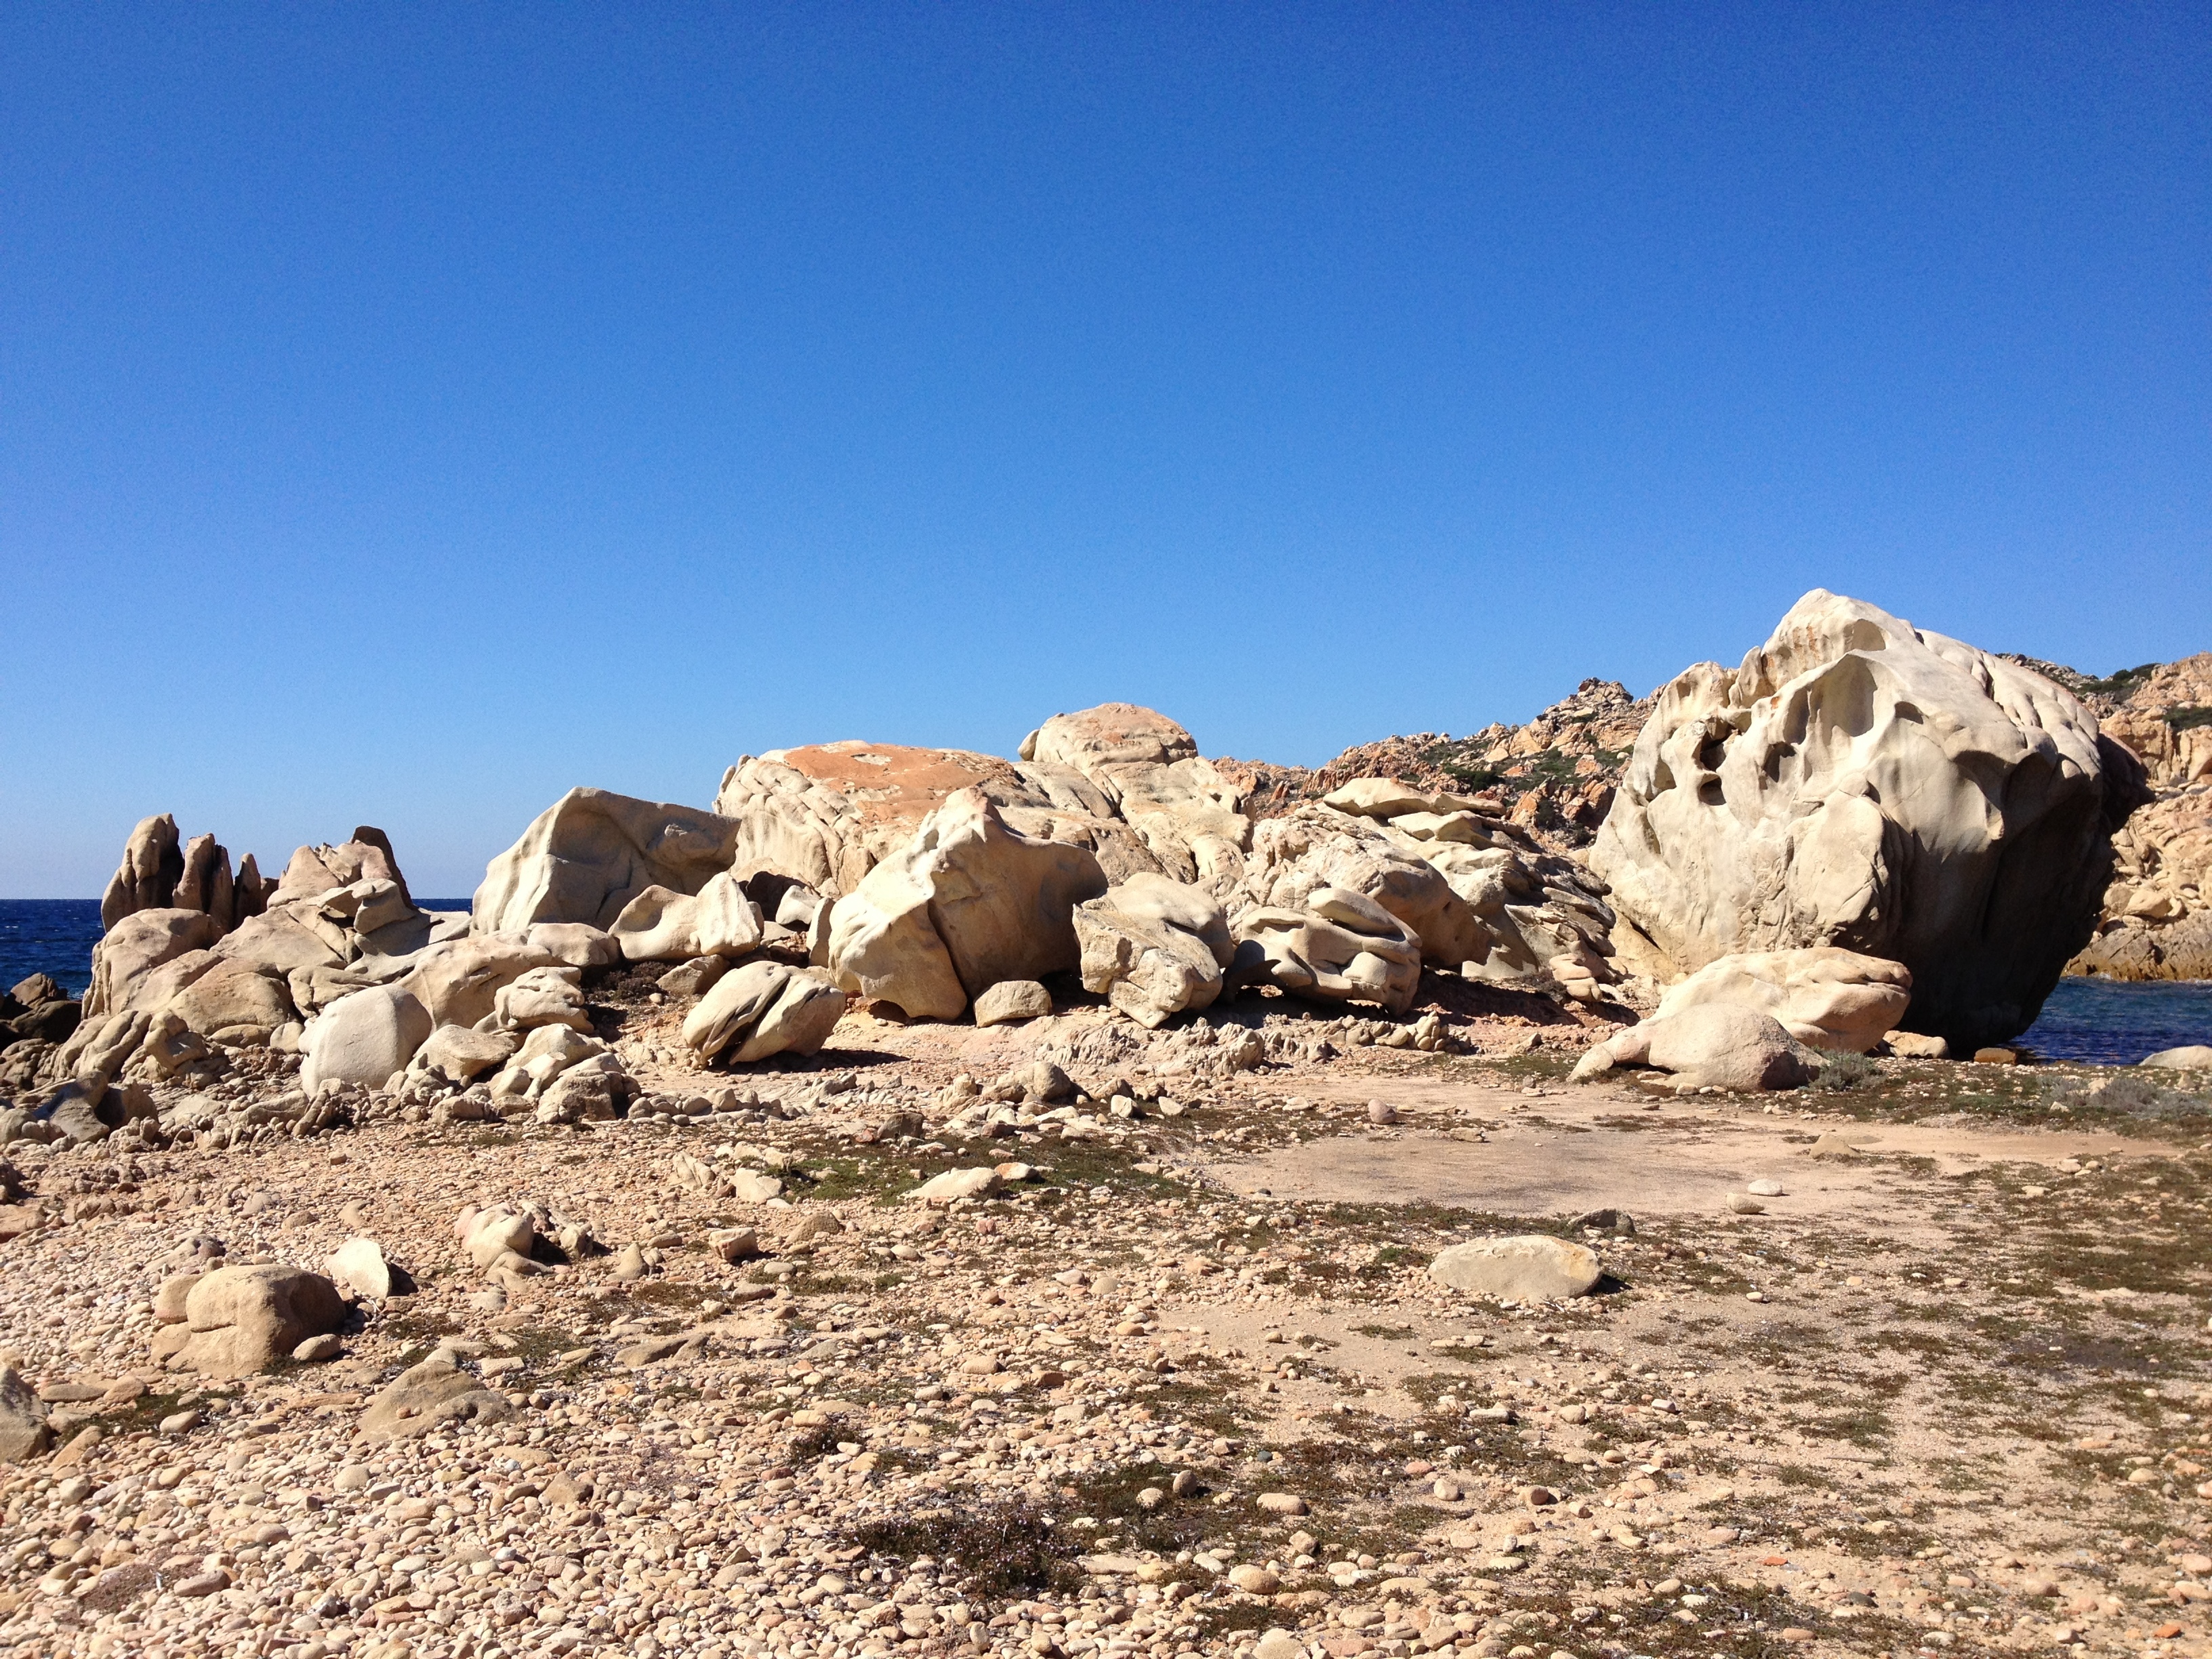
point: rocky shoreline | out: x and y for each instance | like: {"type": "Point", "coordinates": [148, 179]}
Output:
{"type": "Point", "coordinates": [1111, 1202]}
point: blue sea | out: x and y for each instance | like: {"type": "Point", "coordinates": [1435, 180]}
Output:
{"type": "Point", "coordinates": [2099, 1021]}
{"type": "Point", "coordinates": [56, 936]}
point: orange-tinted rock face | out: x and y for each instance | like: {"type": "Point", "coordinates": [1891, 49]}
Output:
{"type": "Point", "coordinates": [827, 813]}
{"type": "Point", "coordinates": [893, 787]}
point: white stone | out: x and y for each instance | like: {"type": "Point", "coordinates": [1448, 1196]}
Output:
{"type": "Point", "coordinates": [1533, 1267]}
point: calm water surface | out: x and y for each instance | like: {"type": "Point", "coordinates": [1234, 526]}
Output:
{"type": "Point", "coordinates": [56, 936]}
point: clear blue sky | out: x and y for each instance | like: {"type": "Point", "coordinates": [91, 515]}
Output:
{"type": "Point", "coordinates": [407, 413]}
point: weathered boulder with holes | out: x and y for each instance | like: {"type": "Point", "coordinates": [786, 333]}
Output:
{"type": "Point", "coordinates": [1154, 947]}
{"type": "Point", "coordinates": [661, 925]}
{"type": "Point", "coordinates": [364, 1038]}
{"type": "Point", "coordinates": [239, 1321]}
{"type": "Point", "coordinates": [1709, 1045]}
{"type": "Point", "coordinates": [1856, 781]}
{"type": "Point", "coordinates": [1824, 996]}
{"type": "Point", "coordinates": [762, 1009]}
{"type": "Point", "coordinates": [1189, 816]}
{"type": "Point", "coordinates": [587, 856]}
{"type": "Point", "coordinates": [1341, 947]}
{"type": "Point", "coordinates": [967, 904]}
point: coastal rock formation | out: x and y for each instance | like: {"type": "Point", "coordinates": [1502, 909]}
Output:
{"type": "Point", "coordinates": [1825, 997]}
{"type": "Point", "coordinates": [587, 856]}
{"type": "Point", "coordinates": [158, 874]}
{"type": "Point", "coordinates": [1314, 847]}
{"type": "Point", "coordinates": [1188, 814]}
{"type": "Point", "coordinates": [1337, 946]}
{"type": "Point", "coordinates": [365, 1038]}
{"type": "Point", "coordinates": [339, 919]}
{"type": "Point", "coordinates": [36, 1010]}
{"type": "Point", "coordinates": [1858, 782]}
{"type": "Point", "coordinates": [1154, 947]}
{"type": "Point", "coordinates": [2157, 919]}
{"type": "Point", "coordinates": [761, 1009]}
{"type": "Point", "coordinates": [459, 980]}
{"type": "Point", "coordinates": [1553, 779]}
{"type": "Point", "coordinates": [1717, 1045]}
{"type": "Point", "coordinates": [138, 943]}
{"type": "Point", "coordinates": [826, 814]}
{"type": "Point", "coordinates": [1487, 895]}
{"type": "Point", "coordinates": [661, 925]}
{"type": "Point", "coordinates": [967, 904]}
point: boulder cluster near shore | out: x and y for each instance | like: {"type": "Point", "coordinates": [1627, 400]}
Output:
{"type": "Point", "coordinates": [928, 1201]}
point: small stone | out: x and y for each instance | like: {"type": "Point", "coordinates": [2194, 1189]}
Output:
{"type": "Point", "coordinates": [181, 1422]}
{"type": "Point", "coordinates": [980, 1183]}
{"type": "Point", "coordinates": [1996, 1057]}
{"type": "Point", "coordinates": [1765, 1186]}
{"type": "Point", "coordinates": [1151, 1499]}
{"type": "Point", "coordinates": [23, 1431]}
{"type": "Point", "coordinates": [353, 1477]}
{"type": "Point", "coordinates": [1745, 1204]}
{"type": "Point", "coordinates": [1381, 1111]}
{"type": "Point", "coordinates": [2191, 1057]}
{"type": "Point", "coordinates": [358, 1268]}
{"type": "Point", "coordinates": [1278, 1643]}
{"type": "Point", "coordinates": [733, 1243]}
{"type": "Point", "coordinates": [325, 1346]}
{"type": "Point", "coordinates": [1013, 1000]}
{"type": "Point", "coordinates": [1254, 1580]}
{"type": "Point", "coordinates": [1829, 1144]}
{"type": "Point", "coordinates": [169, 1300]}
{"type": "Point", "coordinates": [629, 1266]}
{"type": "Point", "coordinates": [1282, 1503]}
{"type": "Point", "coordinates": [87, 1441]}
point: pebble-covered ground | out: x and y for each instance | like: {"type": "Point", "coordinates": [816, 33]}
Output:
{"type": "Point", "coordinates": [1181, 1384]}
